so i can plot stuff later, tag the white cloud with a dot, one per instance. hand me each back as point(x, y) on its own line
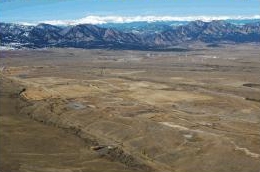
point(129, 19)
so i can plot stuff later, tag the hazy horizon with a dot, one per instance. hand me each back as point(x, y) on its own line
point(119, 11)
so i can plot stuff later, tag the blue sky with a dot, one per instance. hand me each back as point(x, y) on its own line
point(40, 10)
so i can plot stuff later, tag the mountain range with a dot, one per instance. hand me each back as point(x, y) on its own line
point(148, 36)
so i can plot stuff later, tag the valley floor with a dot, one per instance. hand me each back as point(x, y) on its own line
point(96, 110)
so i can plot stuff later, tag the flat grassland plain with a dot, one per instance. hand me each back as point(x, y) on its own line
point(77, 110)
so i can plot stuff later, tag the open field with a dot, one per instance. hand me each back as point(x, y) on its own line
point(105, 110)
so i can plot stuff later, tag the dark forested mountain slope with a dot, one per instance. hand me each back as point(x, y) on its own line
point(91, 36)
